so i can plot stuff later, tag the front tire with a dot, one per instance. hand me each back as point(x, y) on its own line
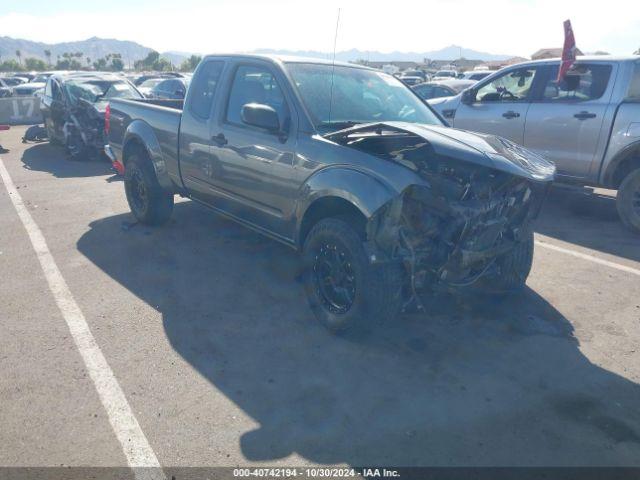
point(148, 201)
point(512, 270)
point(628, 201)
point(345, 291)
point(514, 267)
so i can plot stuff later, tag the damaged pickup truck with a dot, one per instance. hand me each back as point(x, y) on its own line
point(345, 164)
point(73, 106)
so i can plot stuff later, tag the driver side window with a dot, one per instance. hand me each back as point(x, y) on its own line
point(513, 86)
point(255, 84)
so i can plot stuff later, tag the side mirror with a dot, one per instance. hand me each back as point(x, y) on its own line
point(262, 116)
point(468, 96)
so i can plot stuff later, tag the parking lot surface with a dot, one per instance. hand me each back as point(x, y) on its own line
point(207, 332)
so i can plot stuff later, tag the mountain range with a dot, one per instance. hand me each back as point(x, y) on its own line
point(94, 48)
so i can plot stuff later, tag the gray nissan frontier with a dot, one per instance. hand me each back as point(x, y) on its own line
point(345, 164)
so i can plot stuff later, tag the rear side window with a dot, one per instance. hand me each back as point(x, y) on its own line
point(203, 89)
point(634, 86)
point(583, 82)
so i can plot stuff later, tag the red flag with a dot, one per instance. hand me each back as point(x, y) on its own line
point(568, 51)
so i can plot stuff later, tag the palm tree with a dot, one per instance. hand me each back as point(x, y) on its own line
point(19, 55)
point(47, 53)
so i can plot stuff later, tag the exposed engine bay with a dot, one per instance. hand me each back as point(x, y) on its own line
point(449, 231)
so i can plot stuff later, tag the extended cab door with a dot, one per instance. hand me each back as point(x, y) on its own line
point(196, 164)
point(564, 123)
point(499, 105)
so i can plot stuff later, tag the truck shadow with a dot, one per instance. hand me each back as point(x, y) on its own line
point(45, 157)
point(587, 219)
point(482, 383)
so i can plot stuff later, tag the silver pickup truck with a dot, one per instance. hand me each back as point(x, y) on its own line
point(345, 164)
point(588, 125)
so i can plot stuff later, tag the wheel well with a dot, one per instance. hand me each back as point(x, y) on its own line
point(628, 164)
point(130, 147)
point(331, 207)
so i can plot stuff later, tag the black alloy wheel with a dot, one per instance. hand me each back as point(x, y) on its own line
point(334, 278)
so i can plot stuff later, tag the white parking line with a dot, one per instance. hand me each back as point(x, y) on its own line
point(590, 258)
point(140, 455)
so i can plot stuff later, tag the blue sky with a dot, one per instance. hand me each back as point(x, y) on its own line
point(517, 27)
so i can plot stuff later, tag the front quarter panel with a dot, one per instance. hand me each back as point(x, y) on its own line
point(331, 170)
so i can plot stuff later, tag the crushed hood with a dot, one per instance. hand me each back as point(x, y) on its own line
point(485, 150)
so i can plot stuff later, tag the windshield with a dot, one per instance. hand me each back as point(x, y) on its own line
point(445, 73)
point(95, 90)
point(359, 96)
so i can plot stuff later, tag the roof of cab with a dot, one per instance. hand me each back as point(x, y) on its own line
point(288, 59)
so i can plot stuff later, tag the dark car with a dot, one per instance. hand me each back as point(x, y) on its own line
point(443, 88)
point(171, 88)
point(345, 164)
point(73, 107)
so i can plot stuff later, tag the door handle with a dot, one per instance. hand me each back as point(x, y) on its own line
point(510, 114)
point(220, 139)
point(584, 115)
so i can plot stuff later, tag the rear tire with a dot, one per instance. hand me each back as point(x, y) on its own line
point(628, 201)
point(355, 295)
point(148, 201)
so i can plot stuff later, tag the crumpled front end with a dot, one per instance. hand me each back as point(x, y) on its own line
point(451, 233)
point(87, 121)
point(450, 229)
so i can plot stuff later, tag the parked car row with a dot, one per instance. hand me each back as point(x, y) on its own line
point(170, 84)
point(23, 84)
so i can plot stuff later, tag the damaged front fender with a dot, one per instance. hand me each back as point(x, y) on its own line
point(475, 201)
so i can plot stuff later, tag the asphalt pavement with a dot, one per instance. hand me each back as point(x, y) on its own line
point(205, 330)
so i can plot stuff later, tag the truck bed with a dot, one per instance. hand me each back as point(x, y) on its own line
point(155, 119)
